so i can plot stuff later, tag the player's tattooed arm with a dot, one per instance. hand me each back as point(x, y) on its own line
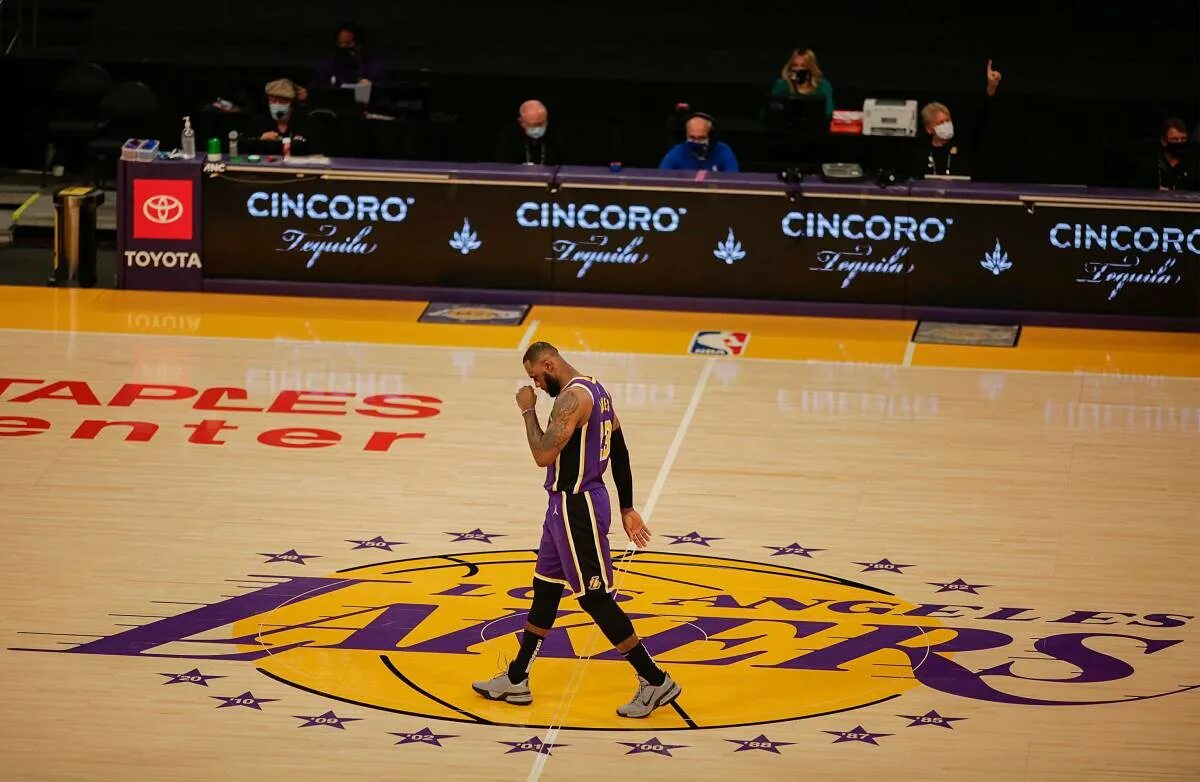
point(568, 410)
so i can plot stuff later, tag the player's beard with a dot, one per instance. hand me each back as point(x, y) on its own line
point(553, 387)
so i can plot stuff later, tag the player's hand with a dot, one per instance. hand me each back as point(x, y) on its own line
point(526, 397)
point(270, 135)
point(993, 79)
point(635, 528)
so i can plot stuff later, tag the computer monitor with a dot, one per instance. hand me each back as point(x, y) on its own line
point(802, 115)
point(339, 101)
point(407, 98)
point(264, 147)
point(797, 131)
point(258, 146)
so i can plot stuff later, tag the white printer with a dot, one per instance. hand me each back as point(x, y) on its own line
point(889, 117)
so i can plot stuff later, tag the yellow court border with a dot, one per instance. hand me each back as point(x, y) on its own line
point(578, 329)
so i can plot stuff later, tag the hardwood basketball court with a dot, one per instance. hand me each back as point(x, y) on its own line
point(256, 538)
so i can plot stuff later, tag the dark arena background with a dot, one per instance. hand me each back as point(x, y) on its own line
point(897, 307)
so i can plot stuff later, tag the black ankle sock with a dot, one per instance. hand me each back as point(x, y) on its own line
point(518, 669)
point(640, 659)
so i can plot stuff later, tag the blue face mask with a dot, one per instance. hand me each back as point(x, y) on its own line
point(698, 148)
point(280, 110)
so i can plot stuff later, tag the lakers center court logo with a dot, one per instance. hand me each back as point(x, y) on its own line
point(749, 642)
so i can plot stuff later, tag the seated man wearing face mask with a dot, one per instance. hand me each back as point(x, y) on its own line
point(281, 121)
point(532, 141)
point(701, 152)
point(943, 152)
point(1171, 162)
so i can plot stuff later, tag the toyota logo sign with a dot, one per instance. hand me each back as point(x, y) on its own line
point(162, 209)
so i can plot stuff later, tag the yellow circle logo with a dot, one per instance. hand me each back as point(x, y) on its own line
point(474, 313)
point(749, 642)
point(469, 313)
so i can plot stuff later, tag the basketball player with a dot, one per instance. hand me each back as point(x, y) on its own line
point(582, 435)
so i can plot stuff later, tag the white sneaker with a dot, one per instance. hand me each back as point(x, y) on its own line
point(501, 688)
point(648, 698)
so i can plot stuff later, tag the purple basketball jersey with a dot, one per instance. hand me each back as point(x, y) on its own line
point(581, 464)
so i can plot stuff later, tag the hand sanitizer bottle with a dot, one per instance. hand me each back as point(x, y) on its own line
point(187, 142)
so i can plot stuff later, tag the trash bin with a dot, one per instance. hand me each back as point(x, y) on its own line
point(75, 235)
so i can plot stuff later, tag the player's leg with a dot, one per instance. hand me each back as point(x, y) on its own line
point(588, 521)
point(512, 684)
point(546, 596)
point(655, 686)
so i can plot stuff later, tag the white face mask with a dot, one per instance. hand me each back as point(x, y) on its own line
point(280, 110)
point(944, 131)
point(536, 132)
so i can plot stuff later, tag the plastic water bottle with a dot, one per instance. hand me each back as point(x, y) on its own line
point(187, 142)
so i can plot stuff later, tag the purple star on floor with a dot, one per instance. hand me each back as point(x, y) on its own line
point(857, 733)
point(288, 556)
point(532, 744)
point(691, 537)
point(958, 585)
point(760, 742)
point(328, 720)
point(475, 534)
point(882, 565)
point(793, 548)
point(930, 718)
point(653, 746)
point(246, 699)
point(376, 542)
point(423, 736)
point(191, 677)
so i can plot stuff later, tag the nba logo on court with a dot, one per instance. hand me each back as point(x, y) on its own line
point(719, 343)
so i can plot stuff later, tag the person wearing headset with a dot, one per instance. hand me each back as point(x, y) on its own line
point(941, 153)
point(701, 151)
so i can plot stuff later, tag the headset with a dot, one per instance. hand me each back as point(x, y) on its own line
point(712, 129)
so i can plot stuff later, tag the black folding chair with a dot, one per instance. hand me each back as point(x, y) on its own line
point(76, 118)
point(129, 110)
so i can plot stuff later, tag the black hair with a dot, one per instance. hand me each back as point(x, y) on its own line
point(536, 351)
point(1173, 123)
point(352, 28)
